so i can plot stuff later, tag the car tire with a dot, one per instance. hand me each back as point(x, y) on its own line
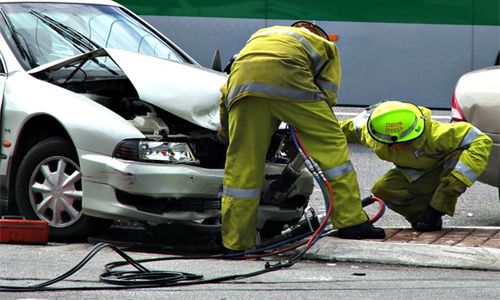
point(49, 187)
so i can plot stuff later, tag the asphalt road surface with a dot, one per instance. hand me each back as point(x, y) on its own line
point(28, 265)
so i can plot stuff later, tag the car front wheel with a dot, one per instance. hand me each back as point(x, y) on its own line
point(49, 187)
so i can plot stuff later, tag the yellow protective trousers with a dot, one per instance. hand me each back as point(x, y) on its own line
point(252, 121)
point(410, 199)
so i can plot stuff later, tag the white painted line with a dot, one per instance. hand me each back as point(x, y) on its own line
point(442, 117)
point(345, 113)
point(339, 113)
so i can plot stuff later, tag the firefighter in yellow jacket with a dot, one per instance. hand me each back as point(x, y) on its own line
point(285, 74)
point(434, 162)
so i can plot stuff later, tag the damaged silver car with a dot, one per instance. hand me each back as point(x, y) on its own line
point(103, 118)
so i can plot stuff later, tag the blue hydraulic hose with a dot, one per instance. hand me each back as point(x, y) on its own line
point(313, 172)
point(314, 168)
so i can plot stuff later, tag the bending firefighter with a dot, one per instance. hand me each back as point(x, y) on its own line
point(285, 74)
point(434, 162)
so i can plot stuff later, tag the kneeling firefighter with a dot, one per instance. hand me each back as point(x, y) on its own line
point(285, 74)
point(434, 162)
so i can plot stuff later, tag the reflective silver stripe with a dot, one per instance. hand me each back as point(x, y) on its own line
point(316, 58)
point(241, 193)
point(466, 171)
point(273, 90)
point(326, 85)
point(471, 136)
point(338, 171)
point(411, 173)
point(385, 137)
point(360, 120)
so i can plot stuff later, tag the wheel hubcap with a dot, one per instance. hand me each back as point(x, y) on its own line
point(56, 191)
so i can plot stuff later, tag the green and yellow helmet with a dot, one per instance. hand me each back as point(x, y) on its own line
point(312, 27)
point(396, 122)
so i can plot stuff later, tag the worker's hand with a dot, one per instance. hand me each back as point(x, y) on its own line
point(452, 185)
point(222, 136)
point(223, 132)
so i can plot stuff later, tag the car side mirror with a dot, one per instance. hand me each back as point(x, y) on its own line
point(216, 64)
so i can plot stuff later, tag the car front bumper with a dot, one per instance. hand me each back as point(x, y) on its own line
point(103, 176)
point(149, 187)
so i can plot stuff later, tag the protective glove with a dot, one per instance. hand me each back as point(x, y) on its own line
point(452, 185)
point(222, 136)
point(223, 131)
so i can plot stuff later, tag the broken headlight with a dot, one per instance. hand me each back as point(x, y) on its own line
point(155, 151)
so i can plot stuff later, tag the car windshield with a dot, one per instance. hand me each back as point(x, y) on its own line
point(40, 33)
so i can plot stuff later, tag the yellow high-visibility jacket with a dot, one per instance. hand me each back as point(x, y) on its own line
point(270, 54)
point(431, 149)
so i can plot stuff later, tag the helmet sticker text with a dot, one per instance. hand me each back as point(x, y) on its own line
point(394, 127)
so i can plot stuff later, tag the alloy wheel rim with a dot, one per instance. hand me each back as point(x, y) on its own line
point(55, 191)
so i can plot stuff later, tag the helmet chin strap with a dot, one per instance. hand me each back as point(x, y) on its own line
point(400, 146)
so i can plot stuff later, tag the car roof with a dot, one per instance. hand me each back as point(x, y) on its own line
point(107, 2)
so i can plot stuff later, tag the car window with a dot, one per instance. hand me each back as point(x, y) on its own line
point(40, 33)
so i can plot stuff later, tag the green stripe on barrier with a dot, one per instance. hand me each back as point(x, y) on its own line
point(457, 12)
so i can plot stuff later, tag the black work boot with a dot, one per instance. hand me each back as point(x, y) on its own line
point(430, 221)
point(362, 231)
point(227, 251)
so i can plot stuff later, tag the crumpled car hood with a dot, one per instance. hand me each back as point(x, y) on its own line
point(187, 91)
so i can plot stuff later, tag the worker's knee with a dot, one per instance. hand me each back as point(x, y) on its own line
point(383, 188)
point(390, 183)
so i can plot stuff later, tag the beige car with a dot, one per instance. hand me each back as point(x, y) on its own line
point(477, 100)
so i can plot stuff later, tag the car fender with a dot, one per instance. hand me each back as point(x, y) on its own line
point(91, 126)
